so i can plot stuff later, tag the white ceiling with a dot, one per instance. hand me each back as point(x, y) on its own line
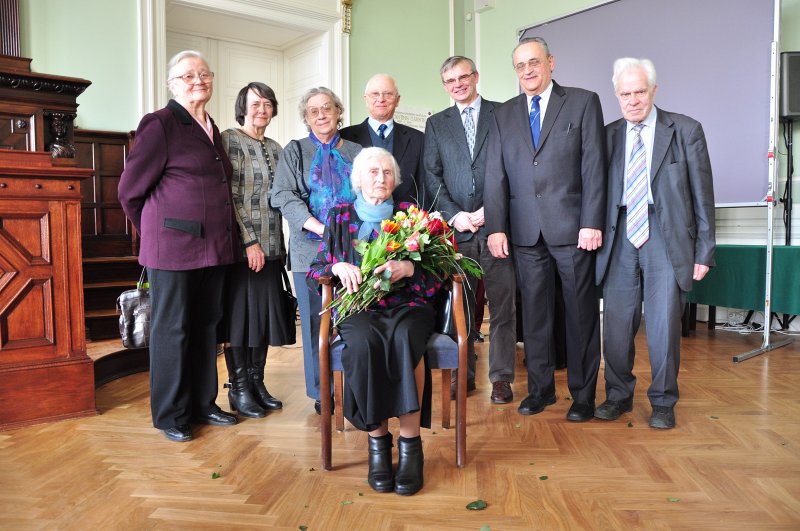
point(258, 30)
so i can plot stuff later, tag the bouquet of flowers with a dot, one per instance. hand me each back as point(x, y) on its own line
point(414, 234)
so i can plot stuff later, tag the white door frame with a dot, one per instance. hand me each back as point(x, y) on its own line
point(315, 16)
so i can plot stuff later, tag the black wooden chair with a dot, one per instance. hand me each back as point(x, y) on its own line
point(443, 352)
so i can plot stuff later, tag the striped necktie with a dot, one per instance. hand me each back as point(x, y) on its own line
point(469, 128)
point(536, 127)
point(638, 228)
point(382, 131)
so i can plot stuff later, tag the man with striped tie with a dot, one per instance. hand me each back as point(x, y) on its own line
point(660, 237)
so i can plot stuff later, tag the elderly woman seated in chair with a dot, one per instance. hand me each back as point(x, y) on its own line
point(384, 372)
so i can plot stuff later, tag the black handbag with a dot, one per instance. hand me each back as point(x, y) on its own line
point(133, 306)
point(445, 318)
point(283, 325)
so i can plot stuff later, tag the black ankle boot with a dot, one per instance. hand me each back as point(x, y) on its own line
point(258, 359)
point(408, 479)
point(239, 395)
point(380, 463)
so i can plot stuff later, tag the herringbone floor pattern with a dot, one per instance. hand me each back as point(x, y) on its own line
point(733, 462)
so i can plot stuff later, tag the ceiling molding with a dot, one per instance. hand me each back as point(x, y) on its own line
point(302, 14)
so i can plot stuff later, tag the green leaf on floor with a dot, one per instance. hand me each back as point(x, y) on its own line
point(518, 425)
point(303, 528)
point(477, 505)
point(312, 469)
point(486, 528)
point(714, 417)
point(360, 493)
point(673, 499)
point(214, 475)
point(501, 409)
point(630, 424)
point(346, 502)
point(543, 478)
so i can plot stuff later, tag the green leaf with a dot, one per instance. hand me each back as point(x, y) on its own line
point(312, 469)
point(567, 398)
point(518, 425)
point(360, 493)
point(630, 424)
point(433, 433)
point(346, 502)
point(714, 417)
point(486, 528)
point(477, 505)
point(543, 478)
point(673, 499)
point(303, 528)
point(501, 409)
point(214, 475)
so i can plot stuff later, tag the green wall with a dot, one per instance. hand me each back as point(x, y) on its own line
point(406, 39)
point(91, 39)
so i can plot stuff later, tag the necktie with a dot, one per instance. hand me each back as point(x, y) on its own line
point(637, 226)
point(535, 125)
point(382, 131)
point(469, 128)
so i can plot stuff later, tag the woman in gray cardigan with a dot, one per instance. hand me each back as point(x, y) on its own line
point(313, 175)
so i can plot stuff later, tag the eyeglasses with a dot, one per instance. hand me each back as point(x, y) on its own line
point(531, 64)
point(460, 79)
point(374, 96)
point(189, 77)
point(313, 112)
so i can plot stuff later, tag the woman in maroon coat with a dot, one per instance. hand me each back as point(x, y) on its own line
point(176, 190)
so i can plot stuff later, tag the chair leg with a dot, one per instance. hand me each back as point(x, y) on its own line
point(446, 378)
point(338, 391)
point(461, 417)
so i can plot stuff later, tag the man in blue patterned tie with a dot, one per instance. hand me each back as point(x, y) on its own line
point(660, 237)
point(381, 130)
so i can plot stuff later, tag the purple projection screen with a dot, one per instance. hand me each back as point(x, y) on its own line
point(712, 59)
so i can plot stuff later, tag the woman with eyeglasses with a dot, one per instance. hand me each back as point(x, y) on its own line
point(253, 317)
point(313, 176)
point(176, 190)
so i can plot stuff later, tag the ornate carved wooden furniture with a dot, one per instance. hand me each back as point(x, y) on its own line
point(45, 373)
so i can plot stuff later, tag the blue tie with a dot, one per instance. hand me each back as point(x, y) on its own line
point(535, 126)
point(382, 131)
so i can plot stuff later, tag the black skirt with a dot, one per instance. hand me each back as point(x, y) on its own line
point(252, 304)
point(382, 349)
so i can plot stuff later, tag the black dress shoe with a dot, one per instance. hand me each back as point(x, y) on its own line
point(533, 404)
point(410, 463)
point(180, 433)
point(215, 417)
point(581, 411)
point(663, 418)
point(318, 406)
point(470, 388)
point(612, 409)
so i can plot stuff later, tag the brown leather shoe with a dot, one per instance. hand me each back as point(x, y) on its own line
point(501, 392)
point(470, 388)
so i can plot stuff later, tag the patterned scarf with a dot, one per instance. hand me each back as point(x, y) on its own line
point(330, 179)
point(371, 215)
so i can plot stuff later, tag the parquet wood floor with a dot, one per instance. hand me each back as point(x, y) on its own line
point(733, 462)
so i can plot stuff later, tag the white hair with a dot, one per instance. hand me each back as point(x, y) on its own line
point(626, 64)
point(361, 165)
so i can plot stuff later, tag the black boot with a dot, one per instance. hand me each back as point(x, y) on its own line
point(408, 479)
point(380, 476)
point(258, 359)
point(239, 395)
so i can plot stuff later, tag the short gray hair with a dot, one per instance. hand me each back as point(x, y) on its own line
point(177, 58)
point(626, 64)
point(526, 40)
point(361, 165)
point(450, 62)
point(310, 93)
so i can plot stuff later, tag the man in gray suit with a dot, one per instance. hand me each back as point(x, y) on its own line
point(381, 130)
point(455, 163)
point(545, 193)
point(660, 227)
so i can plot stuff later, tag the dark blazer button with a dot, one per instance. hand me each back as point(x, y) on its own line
point(613, 228)
point(539, 195)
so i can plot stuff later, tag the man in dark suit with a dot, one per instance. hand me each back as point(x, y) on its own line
point(380, 130)
point(545, 192)
point(455, 163)
point(660, 227)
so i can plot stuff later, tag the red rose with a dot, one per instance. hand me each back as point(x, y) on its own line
point(435, 226)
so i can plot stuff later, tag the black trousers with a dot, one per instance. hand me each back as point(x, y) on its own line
point(536, 269)
point(186, 309)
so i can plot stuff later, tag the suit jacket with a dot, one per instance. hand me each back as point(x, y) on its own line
point(407, 148)
point(176, 190)
point(555, 190)
point(454, 180)
point(683, 193)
